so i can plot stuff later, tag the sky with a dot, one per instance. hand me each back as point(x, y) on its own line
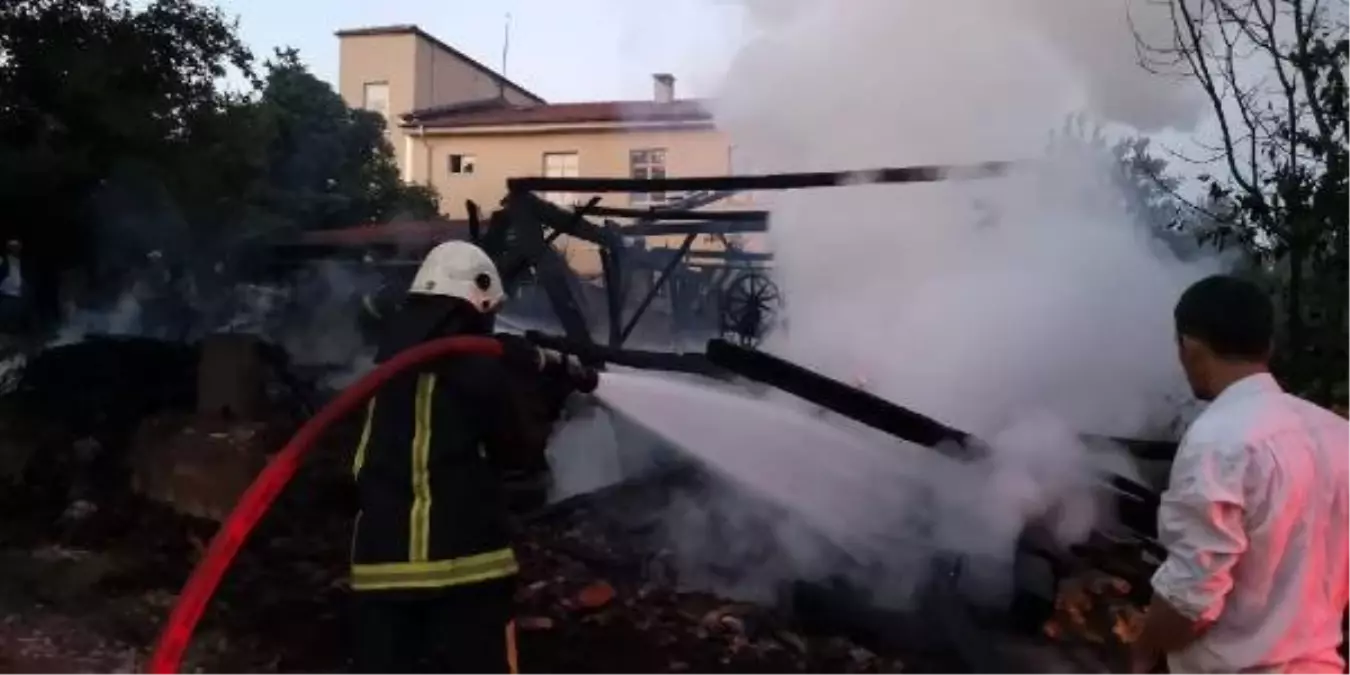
point(562, 50)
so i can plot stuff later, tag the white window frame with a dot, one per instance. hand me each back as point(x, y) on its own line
point(561, 164)
point(647, 163)
point(468, 163)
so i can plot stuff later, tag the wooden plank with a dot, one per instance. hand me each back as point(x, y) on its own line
point(784, 181)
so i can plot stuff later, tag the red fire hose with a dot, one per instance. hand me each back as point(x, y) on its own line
point(259, 497)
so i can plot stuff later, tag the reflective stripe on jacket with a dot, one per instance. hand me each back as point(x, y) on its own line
point(433, 512)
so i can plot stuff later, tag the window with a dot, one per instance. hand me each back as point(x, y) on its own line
point(375, 97)
point(562, 165)
point(648, 164)
point(460, 164)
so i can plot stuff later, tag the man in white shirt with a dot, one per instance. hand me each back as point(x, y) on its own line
point(1254, 517)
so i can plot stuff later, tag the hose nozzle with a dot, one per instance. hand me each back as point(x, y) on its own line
point(582, 378)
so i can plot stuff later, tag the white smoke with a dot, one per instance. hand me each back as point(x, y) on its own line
point(1025, 309)
point(312, 313)
point(965, 300)
point(982, 58)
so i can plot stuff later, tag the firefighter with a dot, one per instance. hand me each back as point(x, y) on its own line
point(432, 563)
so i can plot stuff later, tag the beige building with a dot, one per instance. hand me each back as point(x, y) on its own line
point(464, 129)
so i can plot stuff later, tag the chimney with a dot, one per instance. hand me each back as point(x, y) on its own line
point(665, 87)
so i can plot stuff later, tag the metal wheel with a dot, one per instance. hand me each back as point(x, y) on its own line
point(750, 306)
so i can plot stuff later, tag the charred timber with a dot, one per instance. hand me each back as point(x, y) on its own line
point(598, 355)
point(1137, 504)
point(573, 223)
point(681, 214)
point(784, 181)
point(709, 226)
point(851, 402)
point(701, 258)
point(555, 276)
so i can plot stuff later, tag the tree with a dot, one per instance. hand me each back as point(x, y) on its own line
point(119, 141)
point(1274, 74)
point(328, 165)
point(1141, 179)
point(92, 91)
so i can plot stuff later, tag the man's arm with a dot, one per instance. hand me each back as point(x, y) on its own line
point(1200, 522)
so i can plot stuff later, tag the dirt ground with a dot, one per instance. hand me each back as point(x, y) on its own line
point(91, 597)
point(90, 594)
point(94, 604)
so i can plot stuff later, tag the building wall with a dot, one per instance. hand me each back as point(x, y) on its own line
point(700, 151)
point(445, 78)
point(420, 75)
point(380, 58)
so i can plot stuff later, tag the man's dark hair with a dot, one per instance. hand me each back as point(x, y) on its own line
point(1234, 317)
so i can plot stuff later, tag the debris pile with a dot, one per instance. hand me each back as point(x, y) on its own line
point(200, 466)
point(600, 590)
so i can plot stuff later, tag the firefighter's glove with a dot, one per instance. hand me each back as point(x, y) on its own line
point(520, 354)
point(570, 369)
point(524, 356)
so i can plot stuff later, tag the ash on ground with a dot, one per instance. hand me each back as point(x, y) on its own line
point(88, 589)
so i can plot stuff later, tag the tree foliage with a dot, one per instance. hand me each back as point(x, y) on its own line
point(121, 139)
point(327, 165)
point(1146, 187)
point(1274, 74)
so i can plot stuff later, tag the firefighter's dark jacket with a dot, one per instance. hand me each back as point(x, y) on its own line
point(428, 463)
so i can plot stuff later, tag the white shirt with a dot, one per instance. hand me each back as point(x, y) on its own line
point(1255, 524)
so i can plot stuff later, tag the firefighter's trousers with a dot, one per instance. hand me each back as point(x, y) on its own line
point(465, 629)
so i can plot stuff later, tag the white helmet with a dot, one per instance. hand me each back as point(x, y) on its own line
point(458, 269)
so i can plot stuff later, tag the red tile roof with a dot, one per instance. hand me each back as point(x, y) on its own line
point(413, 29)
point(479, 114)
point(404, 233)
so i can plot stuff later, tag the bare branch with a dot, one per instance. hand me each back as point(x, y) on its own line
point(1172, 192)
point(1216, 154)
point(1189, 34)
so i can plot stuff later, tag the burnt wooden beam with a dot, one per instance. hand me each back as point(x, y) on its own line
point(699, 200)
point(656, 287)
point(475, 227)
point(594, 355)
point(700, 227)
point(1157, 451)
point(743, 256)
point(610, 268)
point(682, 214)
point(659, 256)
point(557, 278)
point(572, 223)
point(515, 261)
point(494, 241)
point(784, 181)
point(1137, 504)
point(554, 274)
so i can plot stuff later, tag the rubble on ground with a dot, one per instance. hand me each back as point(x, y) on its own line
point(90, 593)
point(200, 466)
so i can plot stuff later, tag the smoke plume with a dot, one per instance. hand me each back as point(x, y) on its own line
point(1002, 63)
point(964, 299)
point(1025, 309)
point(310, 311)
